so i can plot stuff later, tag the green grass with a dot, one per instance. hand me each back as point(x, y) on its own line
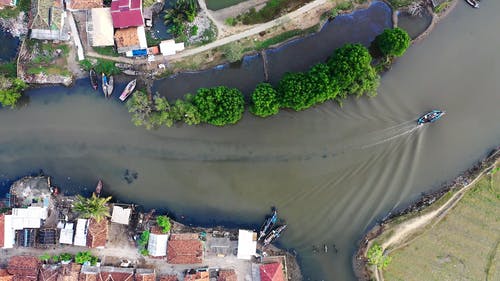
point(107, 51)
point(151, 40)
point(272, 10)
point(345, 6)
point(9, 69)
point(106, 66)
point(441, 7)
point(400, 3)
point(283, 37)
point(11, 12)
point(464, 243)
point(49, 70)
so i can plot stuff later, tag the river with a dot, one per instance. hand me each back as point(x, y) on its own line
point(331, 172)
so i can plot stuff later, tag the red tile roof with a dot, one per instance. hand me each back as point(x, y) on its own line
point(111, 275)
point(271, 272)
point(126, 13)
point(169, 278)
point(145, 276)
point(97, 233)
point(85, 4)
point(24, 267)
point(227, 275)
point(4, 3)
point(184, 249)
point(87, 276)
point(69, 272)
point(48, 273)
point(2, 229)
point(198, 276)
point(4, 275)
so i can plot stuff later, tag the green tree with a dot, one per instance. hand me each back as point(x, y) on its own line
point(92, 208)
point(219, 105)
point(376, 257)
point(323, 86)
point(184, 110)
point(164, 223)
point(141, 108)
point(233, 52)
point(393, 42)
point(294, 91)
point(45, 257)
point(66, 257)
point(351, 70)
point(10, 90)
point(264, 100)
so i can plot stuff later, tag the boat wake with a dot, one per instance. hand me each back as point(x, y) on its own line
point(394, 133)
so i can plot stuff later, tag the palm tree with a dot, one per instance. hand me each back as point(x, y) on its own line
point(92, 208)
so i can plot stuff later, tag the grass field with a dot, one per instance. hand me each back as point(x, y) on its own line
point(464, 245)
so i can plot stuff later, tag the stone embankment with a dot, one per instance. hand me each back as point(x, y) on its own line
point(16, 26)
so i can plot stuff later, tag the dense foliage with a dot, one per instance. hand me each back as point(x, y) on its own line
point(164, 223)
point(264, 101)
point(393, 42)
point(219, 105)
point(351, 68)
point(376, 257)
point(10, 90)
point(85, 257)
point(182, 11)
point(93, 207)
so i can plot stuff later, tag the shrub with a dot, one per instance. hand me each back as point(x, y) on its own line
point(376, 257)
point(66, 257)
point(264, 100)
point(345, 6)
point(233, 52)
point(164, 223)
point(10, 90)
point(231, 21)
point(106, 66)
point(143, 240)
point(86, 64)
point(84, 257)
point(45, 257)
point(219, 105)
point(393, 42)
point(194, 30)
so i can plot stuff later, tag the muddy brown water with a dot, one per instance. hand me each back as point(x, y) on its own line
point(331, 172)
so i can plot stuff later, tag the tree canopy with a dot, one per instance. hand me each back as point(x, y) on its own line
point(10, 90)
point(219, 105)
point(294, 90)
point(264, 101)
point(393, 42)
point(92, 208)
point(351, 69)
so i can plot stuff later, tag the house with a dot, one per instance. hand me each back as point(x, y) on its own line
point(7, 3)
point(66, 234)
point(126, 13)
point(111, 273)
point(24, 267)
point(157, 244)
point(169, 278)
point(69, 272)
point(271, 272)
point(47, 237)
point(121, 215)
point(48, 21)
point(227, 275)
point(130, 39)
point(89, 273)
point(81, 233)
point(247, 244)
point(5, 276)
point(169, 47)
point(197, 276)
point(102, 35)
point(48, 273)
point(184, 248)
point(74, 5)
point(145, 274)
point(97, 233)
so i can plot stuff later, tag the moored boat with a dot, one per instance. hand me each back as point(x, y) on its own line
point(93, 79)
point(110, 86)
point(128, 90)
point(274, 234)
point(268, 224)
point(98, 188)
point(104, 84)
point(430, 117)
point(473, 3)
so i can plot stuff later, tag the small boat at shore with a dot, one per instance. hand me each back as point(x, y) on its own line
point(93, 79)
point(110, 86)
point(128, 90)
point(431, 116)
point(473, 3)
point(268, 224)
point(104, 84)
point(98, 188)
point(274, 234)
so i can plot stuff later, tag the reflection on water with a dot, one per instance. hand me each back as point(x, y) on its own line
point(8, 48)
point(414, 25)
point(332, 172)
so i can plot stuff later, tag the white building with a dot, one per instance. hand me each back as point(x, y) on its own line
point(247, 244)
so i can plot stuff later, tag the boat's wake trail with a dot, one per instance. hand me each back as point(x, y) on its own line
point(392, 133)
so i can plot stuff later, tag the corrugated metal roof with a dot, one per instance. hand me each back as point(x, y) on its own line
point(121, 215)
point(247, 244)
point(157, 245)
point(66, 235)
point(102, 33)
point(81, 233)
point(126, 13)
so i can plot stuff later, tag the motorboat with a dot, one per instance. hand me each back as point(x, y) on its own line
point(473, 3)
point(128, 90)
point(104, 84)
point(268, 224)
point(431, 116)
point(274, 234)
point(93, 79)
point(110, 86)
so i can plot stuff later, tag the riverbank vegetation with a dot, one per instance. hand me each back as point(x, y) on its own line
point(181, 13)
point(348, 72)
point(12, 12)
point(10, 90)
point(393, 42)
point(100, 66)
point(441, 252)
